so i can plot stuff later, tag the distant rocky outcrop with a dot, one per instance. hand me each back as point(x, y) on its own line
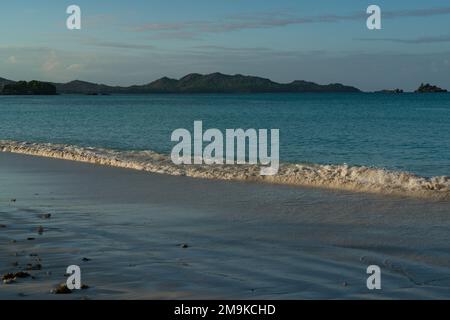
point(392, 91)
point(428, 88)
point(29, 88)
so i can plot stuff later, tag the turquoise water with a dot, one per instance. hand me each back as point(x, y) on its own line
point(408, 132)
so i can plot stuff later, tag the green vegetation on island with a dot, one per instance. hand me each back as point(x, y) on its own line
point(428, 88)
point(4, 82)
point(192, 83)
point(29, 88)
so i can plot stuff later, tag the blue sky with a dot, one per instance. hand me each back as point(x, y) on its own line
point(137, 41)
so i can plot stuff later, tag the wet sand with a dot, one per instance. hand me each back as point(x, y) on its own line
point(244, 240)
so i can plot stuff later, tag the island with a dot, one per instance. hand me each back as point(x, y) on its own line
point(191, 83)
point(28, 88)
point(428, 88)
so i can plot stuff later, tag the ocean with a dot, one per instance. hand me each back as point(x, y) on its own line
point(399, 133)
point(244, 240)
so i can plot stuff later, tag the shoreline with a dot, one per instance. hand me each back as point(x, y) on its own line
point(243, 240)
point(333, 177)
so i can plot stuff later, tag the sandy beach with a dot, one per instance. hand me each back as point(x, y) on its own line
point(140, 235)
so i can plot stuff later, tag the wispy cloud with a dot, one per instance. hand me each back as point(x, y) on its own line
point(117, 45)
point(99, 20)
point(261, 21)
point(174, 35)
point(420, 40)
point(232, 49)
point(417, 12)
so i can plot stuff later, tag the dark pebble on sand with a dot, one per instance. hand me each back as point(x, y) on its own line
point(2, 226)
point(31, 239)
point(8, 276)
point(22, 274)
point(86, 259)
point(12, 277)
point(45, 216)
point(62, 289)
point(13, 200)
point(184, 246)
point(36, 266)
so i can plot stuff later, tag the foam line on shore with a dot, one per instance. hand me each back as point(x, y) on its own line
point(340, 177)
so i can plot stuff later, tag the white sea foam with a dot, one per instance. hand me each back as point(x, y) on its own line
point(342, 177)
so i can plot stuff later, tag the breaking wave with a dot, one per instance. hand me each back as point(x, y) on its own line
point(341, 177)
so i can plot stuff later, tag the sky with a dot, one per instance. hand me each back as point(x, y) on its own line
point(138, 41)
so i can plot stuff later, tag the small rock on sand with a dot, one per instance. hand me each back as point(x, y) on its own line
point(9, 281)
point(31, 238)
point(40, 230)
point(8, 276)
point(45, 216)
point(22, 274)
point(86, 259)
point(184, 246)
point(2, 226)
point(62, 289)
point(37, 266)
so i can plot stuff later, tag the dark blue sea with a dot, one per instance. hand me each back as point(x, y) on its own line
point(407, 132)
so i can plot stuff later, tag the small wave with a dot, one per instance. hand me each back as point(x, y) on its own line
point(341, 177)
